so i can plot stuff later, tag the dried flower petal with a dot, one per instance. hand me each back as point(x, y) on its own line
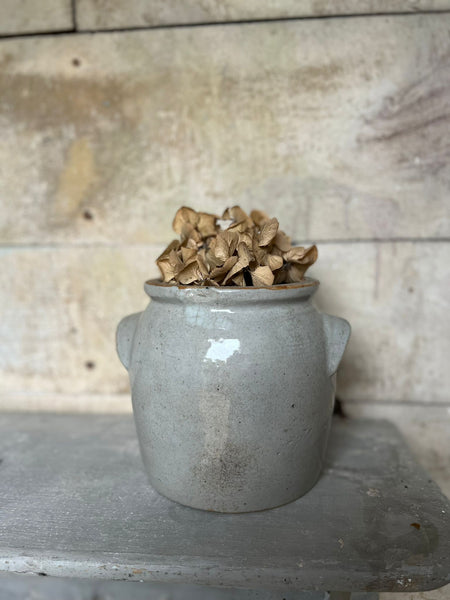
point(222, 248)
point(187, 253)
point(174, 260)
point(239, 279)
point(188, 232)
point(232, 238)
point(207, 224)
point(244, 253)
point(295, 272)
point(168, 262)
point(247, 239)
point(190, 243)
point(241, 264)
point(274, 262)
point(300, 255)
point(312, 254)
point(212, 261)
point(202, 253)
point(220, 272)
point(282, 241)
point(202, 266)
point(184, 215)
point(294, 254)
point(299, 260)
point(259, 253)
point(210, 282)
point(168, 272)
point(262, 276)
point(174, 245)
point(189, 274)
point(236, 213)
point(280, 276)
point(268, 232)
point(259, 217)
point(275, 251)
point(239, 226)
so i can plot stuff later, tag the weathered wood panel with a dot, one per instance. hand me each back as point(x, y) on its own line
point(59, 311)
point(337, 126)
point(426, 429)
point(394, 295)
point(24, 587)
point(67, 402)
point(110, 14)
point(442, 593)
point(60, 308)
point(29, 16)
point(351, 531)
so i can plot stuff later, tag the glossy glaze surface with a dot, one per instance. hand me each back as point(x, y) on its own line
point(232, 392)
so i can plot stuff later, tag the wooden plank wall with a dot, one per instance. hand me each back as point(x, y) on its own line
point(339, 126)
point(113, 14)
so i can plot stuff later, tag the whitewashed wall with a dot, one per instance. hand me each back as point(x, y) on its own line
point(338, 126)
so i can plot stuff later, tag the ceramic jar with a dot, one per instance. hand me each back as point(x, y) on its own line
point(232, 391)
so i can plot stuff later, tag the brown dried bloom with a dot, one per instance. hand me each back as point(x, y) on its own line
point(235, 249)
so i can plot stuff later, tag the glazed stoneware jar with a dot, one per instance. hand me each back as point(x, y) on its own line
point(232, 391)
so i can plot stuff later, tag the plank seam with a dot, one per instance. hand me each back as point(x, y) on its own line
point(81, 31)
point(73, 8)
point(384, 403)
point(399, 240)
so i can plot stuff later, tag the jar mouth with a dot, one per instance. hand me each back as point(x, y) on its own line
point(156, 288)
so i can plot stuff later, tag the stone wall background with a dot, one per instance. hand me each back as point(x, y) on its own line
point(332, 116)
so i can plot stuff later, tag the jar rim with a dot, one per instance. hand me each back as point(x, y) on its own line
point(156, 288)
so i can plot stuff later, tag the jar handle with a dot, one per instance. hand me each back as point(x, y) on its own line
point(124, 337)
point(337, 333)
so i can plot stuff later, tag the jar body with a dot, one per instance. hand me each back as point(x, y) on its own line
point(232, 398)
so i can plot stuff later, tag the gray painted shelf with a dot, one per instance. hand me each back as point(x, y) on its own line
point(75, 502)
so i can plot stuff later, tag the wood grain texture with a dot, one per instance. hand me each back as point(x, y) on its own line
point(394, 297)
point(336, 126)
point(442, 593)
point(112, 14)
point(76, 502)
point(59, 317)
point(425, 428)
point(61, 306)
point(23, 587)
point(29, 16)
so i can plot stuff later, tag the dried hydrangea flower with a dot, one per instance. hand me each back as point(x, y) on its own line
point(262, 276)
point(268, 232)
point(235, 249)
